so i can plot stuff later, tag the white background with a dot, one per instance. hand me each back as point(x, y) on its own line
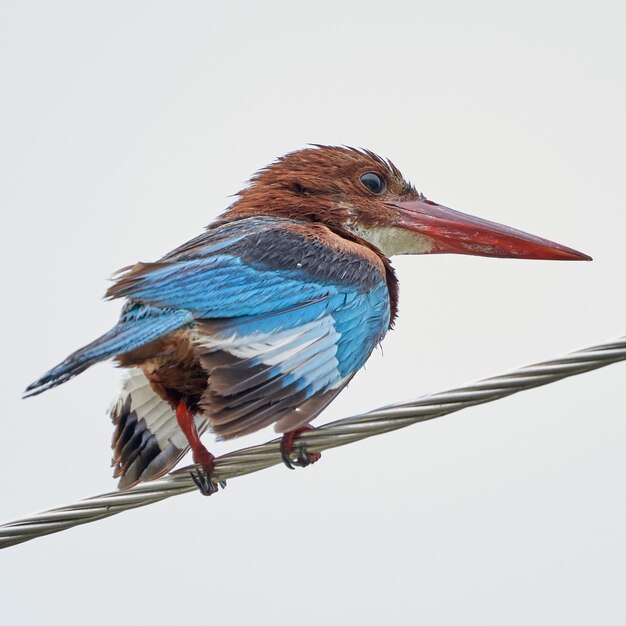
point(125, 126)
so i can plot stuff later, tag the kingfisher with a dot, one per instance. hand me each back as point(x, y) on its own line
point(268, 314)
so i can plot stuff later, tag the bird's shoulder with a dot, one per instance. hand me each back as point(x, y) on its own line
point(281, 244)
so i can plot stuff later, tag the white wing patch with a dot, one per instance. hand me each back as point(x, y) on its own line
point(273, 348)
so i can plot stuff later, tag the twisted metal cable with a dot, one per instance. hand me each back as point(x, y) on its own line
point(338, 433)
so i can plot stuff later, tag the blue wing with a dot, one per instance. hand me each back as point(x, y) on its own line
point(283, 320)
point(280, 316)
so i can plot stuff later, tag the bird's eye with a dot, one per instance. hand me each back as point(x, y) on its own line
point(373, 182)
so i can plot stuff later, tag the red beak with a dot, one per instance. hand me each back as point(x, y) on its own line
point(456, 232)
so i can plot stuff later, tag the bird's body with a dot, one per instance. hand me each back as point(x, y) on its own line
point(269, 313)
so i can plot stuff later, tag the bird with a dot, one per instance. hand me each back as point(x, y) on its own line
point(269, 313)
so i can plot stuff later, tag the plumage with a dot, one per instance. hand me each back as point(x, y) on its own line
point(146, 439)
point(268, 314)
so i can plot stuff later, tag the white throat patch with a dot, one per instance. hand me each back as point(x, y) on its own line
point(391, 240)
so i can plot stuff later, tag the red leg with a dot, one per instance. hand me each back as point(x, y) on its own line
point(287, 448)
point(201, 456)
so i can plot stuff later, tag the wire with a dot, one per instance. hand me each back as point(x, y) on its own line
point(338, 433)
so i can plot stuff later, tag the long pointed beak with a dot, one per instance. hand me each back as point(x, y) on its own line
point(459, 233)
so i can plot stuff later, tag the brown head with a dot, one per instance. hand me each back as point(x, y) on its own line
point(357, 192)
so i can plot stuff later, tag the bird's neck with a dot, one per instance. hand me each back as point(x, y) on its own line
point(390, 273)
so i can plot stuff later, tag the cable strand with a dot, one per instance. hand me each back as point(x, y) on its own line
point(339, 433)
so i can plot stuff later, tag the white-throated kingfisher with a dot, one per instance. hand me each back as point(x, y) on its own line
point(266, 316)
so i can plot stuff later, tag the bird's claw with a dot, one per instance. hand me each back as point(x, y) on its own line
point(303, 457)
point(204, 483)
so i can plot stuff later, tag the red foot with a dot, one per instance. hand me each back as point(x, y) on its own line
point(201, 456)
point(304, 458)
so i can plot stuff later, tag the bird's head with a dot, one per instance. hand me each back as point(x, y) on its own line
point(358, 192)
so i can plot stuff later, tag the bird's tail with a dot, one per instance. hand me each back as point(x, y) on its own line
point(147, 441)
point(138, 326)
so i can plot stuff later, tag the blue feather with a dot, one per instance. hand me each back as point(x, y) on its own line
point(138, 326)
point(296, 318)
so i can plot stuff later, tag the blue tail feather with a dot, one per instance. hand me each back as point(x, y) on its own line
point(138, 326)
